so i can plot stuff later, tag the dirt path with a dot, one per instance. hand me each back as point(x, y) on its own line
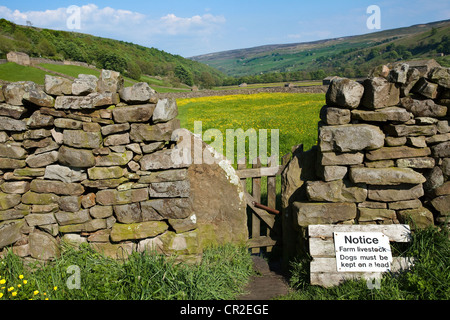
point(268, 284)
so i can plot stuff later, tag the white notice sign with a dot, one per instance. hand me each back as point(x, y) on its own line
point(362, 252)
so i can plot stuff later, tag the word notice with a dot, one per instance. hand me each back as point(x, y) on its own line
point(362, 252)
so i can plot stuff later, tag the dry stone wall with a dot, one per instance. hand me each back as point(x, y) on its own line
point(90, 161)
point(383, 152)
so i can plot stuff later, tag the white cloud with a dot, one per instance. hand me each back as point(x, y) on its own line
point(117, 21)
point(204, 24)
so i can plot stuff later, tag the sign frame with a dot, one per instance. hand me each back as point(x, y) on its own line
point(362, 252)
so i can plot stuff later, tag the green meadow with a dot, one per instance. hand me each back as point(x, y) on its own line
point(295, 115)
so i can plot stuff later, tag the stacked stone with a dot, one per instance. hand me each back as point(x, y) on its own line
point(384, 149)
point(89, 161)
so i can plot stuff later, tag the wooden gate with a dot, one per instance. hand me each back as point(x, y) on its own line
point(264, 219)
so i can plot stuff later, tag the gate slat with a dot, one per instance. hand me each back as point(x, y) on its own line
point(256, 194)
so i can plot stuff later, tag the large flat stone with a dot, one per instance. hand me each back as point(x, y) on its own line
point(78, 158)
point(395, 193)
point(39, 198)
point(173, 189)
point(335, 191)
point(370, 214)
point(115, 197)
point(82, 139)
point(102, 173)
point(6, 163)
point(152, 133)
point(42, 160)
point(40, 219)
point(423, 108)
point(309, 213)
point(64, 173)
point(66, 218)
point(176, 208)
point(402, 130)
point(90, 101)
point(11, 151)
point(332, 159)
point(417, 163)
point(351, 137)
point(114, 159)
point(162, 160)
point(385, 176)
point(11, 111)
point(134, 231)
point(8, 124)
point(56, 187)
point(137, 113)
point(8, 201)
point(381, 115)
point(397, 153)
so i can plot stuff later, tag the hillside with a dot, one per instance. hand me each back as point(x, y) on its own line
point(350, 56)
point(131, 59)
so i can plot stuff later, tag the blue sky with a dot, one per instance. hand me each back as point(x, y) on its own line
point(197, 27)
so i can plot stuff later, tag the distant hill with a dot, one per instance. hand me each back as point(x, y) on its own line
point(131, 59)
point(351, 56)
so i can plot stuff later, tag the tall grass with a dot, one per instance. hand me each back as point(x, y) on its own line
point(428, 279)
point(222, 274)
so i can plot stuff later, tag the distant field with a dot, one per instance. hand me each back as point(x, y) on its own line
point(69, 70)
point(13, 72)
point(265, 85)
point(296, 115)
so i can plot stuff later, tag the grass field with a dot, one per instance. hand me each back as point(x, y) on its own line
point(13, 72)
point(296, 115)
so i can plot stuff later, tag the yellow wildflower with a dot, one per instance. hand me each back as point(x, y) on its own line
point(25, 281)
point(3, 281)
point(14, 294)
point(21, 277)
point(36, 292)
point(55, 288)
point(1, 295)
point(10, 289)
point(19, 285)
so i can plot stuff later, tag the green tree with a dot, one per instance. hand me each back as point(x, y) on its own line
point(206, 80)
point(72, 52)
point(184, 75)
point(46, 48)
point(133, 70)
point(112, 61)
